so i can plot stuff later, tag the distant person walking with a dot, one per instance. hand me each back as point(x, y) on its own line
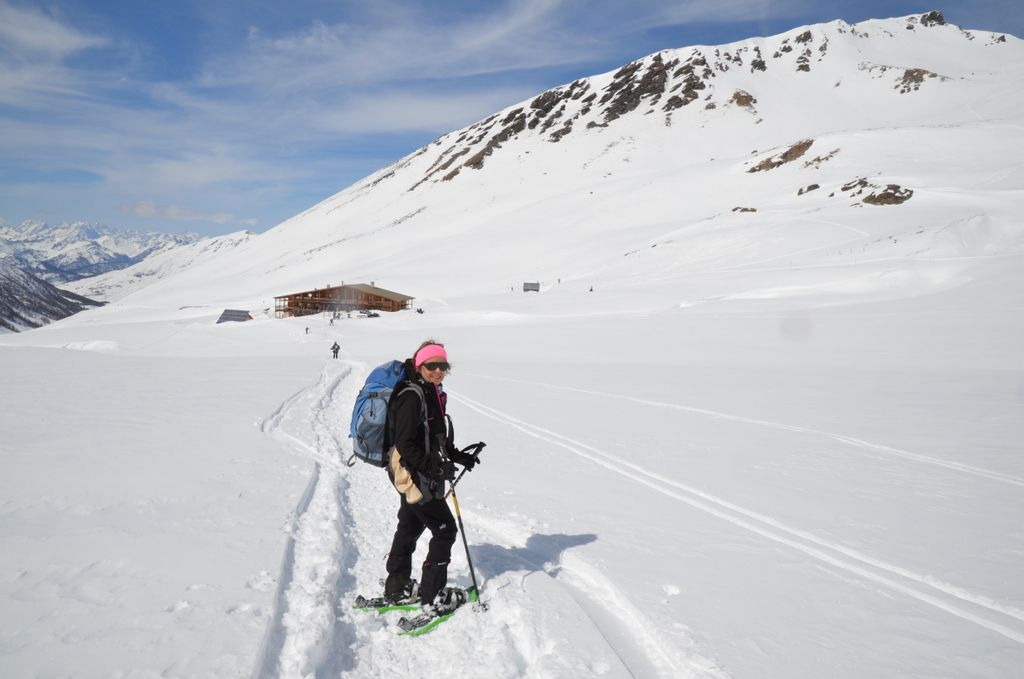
point(335, 349)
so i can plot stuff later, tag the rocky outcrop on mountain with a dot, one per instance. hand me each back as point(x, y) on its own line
point(68, 252)
point(891, 194)
point(817, 161)
point(912, 79)
point(745, 99)
point(667, 83)
point(27, 302)
point(789, 155)
point(627, 91)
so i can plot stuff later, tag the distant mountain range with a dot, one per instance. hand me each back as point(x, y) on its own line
point(35, 257)
point(28, 302)
point(114, 285)
point(68, 252)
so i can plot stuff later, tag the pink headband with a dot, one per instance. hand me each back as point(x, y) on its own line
point(428, 352)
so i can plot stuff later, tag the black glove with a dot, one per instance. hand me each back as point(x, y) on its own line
point(446, 471)
point(469, 456)
point(467, 461)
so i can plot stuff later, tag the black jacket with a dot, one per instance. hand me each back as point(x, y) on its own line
point(422, 445)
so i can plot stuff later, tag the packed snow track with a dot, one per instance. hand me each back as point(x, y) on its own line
point(550, 612)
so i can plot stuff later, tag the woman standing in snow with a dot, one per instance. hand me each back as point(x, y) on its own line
point(422, 456)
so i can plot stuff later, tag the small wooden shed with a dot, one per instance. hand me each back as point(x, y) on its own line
point(340, 298)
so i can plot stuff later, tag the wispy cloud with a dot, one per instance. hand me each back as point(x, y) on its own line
point(661, 14)
point(411, 43)
point(147, 209)
point(413, 111)
point(27, 34)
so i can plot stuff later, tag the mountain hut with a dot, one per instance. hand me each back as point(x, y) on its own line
point(340, 298)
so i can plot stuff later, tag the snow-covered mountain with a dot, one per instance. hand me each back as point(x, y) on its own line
point(762, 421)
point(27, 302)
point(67, 252)
point(114, 285)
point(860, 137)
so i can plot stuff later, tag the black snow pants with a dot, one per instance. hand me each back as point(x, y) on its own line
point(412, 521)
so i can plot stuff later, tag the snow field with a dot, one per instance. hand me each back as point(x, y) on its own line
point(720, 490)
point(347, 517)
point(140, 525)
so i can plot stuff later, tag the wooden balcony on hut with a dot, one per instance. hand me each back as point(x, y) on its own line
point(341, 298)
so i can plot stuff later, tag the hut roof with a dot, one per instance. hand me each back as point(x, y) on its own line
point(360, 287)
point(234, 315)
point(374, 290)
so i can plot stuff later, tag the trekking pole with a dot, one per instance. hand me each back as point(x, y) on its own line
point(453, 482)
point(476, 447)
point(480, 605)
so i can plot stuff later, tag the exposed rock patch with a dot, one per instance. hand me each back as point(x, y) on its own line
point(625, 92)
point(818, 160)
point(758, 63)
point(912, 79)
point(893, 194)
point(857, 186)
point(742, 98)
point(476, 161)
point(807, 189)
point(909, 81)
point(803, 62)
point(789, 155)
point(543, 104)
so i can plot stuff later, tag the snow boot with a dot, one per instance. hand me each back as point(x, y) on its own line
point(447, 600)
point(401, 590)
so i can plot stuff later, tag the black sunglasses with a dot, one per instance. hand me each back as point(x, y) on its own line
point(436, 366)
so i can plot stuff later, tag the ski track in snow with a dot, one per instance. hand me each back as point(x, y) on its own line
point(302, 626)
point(339, 535)
point(849, 440)
point(993, 615)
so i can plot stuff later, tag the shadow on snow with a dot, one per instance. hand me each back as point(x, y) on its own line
point(541, 553)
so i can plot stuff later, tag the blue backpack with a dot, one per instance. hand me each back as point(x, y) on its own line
point(370, 413)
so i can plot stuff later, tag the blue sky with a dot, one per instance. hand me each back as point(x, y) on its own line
point(218, 115)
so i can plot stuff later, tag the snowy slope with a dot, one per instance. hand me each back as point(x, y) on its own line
point(535, 209)
point(27, 302)
point(781, 443)
point(116, 284)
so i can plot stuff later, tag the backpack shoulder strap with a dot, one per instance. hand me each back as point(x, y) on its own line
point(413, 387)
